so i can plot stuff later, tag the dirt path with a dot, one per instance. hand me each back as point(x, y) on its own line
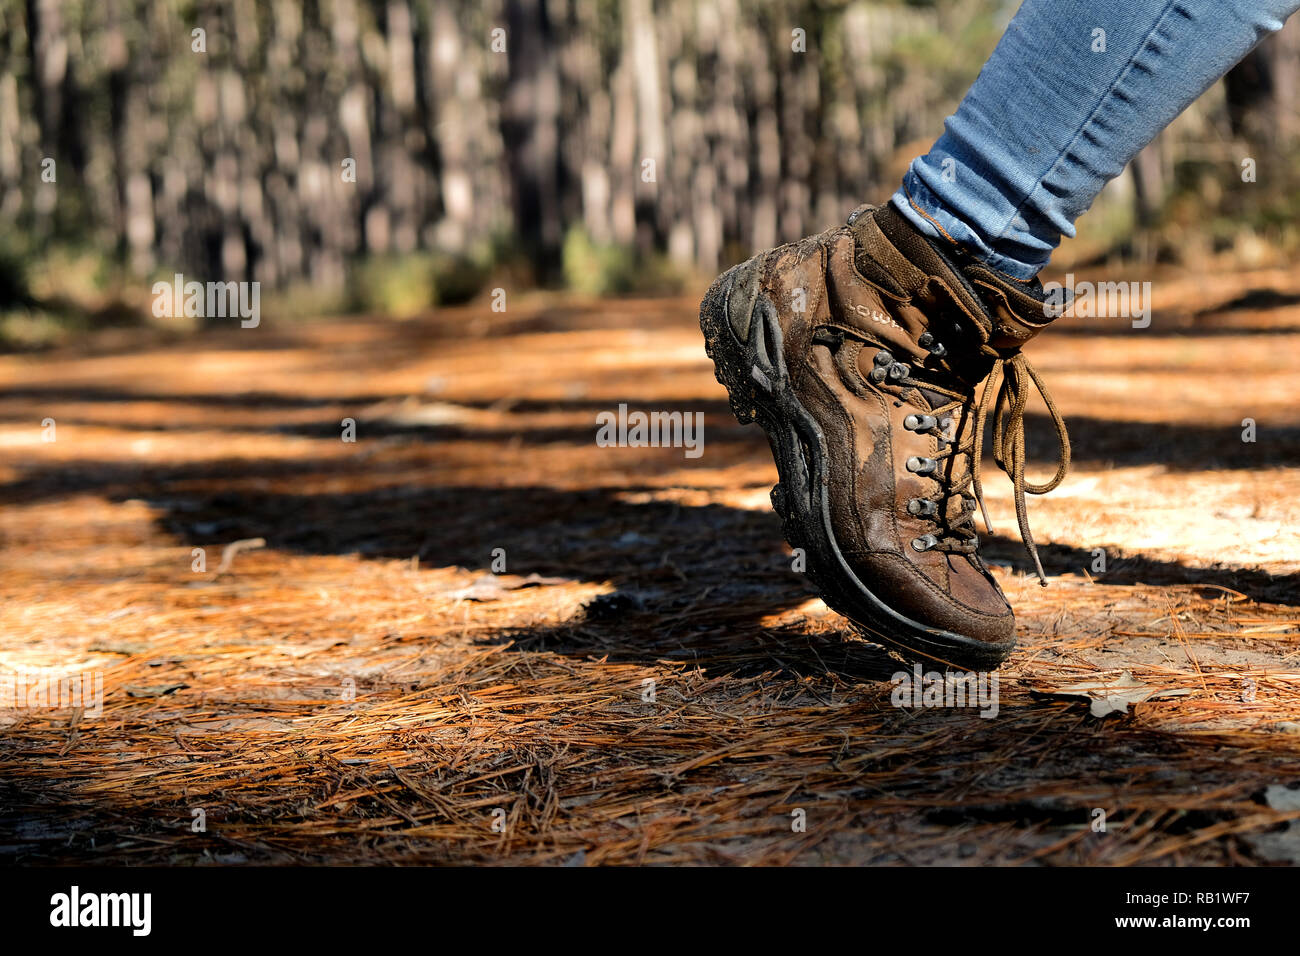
point(362, 688)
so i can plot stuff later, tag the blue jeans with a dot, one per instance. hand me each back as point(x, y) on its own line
point(1073, 91)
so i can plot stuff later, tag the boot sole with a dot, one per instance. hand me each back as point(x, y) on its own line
point(758, 386)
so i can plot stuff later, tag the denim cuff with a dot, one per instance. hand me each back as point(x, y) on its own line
point(923, 210)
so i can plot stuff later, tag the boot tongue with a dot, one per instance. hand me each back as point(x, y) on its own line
point(1020, 309)
point(928, 270)
point(933, 399)
point(1008, 311)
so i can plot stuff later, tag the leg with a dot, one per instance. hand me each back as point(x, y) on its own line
point(860, 350)
point(1061, 108)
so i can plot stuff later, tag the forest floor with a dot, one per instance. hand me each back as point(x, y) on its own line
point(647, 680)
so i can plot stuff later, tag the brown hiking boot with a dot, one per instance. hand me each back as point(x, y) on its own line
point(859, 351)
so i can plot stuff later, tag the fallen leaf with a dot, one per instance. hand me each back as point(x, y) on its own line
point(1113, 696)
point(1282, 846)
point(1282, 798)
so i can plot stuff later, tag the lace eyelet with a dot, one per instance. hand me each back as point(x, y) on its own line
point(921, 466)
point(925, 542)
point(927, 342)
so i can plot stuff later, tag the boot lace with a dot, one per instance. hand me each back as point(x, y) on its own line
point(1015, 377)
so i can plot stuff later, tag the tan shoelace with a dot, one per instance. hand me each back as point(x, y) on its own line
point(1016, 376)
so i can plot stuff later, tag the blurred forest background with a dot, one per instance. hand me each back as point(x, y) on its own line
point(391, 155)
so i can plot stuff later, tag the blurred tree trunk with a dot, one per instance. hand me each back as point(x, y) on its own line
point(48, 49)
point(455, 101)
point(1263, 90)
point(530, 130)
point(1150, 182)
